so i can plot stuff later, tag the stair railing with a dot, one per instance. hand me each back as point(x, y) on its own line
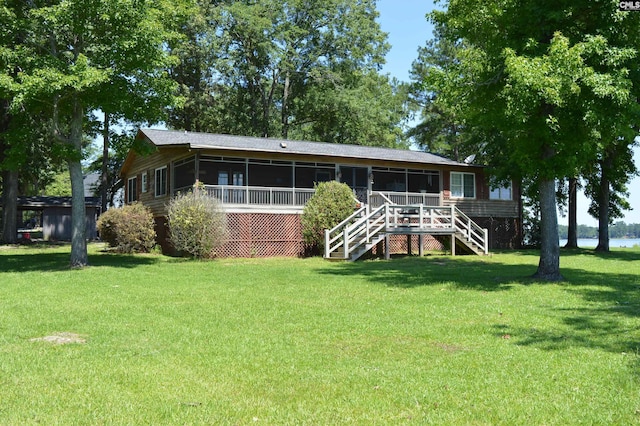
point(333, 237)
point(471, 230)
point(356, 231)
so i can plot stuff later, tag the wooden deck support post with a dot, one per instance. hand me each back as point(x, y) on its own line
point(409, 245)
point(453, 245)
point(387, 247)
point(421, 244)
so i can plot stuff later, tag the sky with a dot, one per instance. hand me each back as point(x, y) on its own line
point(407, 28)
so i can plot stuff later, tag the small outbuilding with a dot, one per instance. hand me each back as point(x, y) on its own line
point(53, 214)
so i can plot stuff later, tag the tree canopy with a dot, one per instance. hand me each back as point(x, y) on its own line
point(545, 86)
point(80, 56)
point(288, 68)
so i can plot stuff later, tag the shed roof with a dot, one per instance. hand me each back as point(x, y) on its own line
point(38, 202)
point(167, 138)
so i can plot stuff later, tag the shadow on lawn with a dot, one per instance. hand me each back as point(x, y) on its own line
point(56, 261)
point(617, 254)
point(412, 271)
point(607, 320)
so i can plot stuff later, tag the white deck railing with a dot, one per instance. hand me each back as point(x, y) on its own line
point(378, 198)
point(276, 196)
point(259, 195)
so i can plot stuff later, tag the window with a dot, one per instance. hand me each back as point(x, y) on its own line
point(238, 179)
point(132, 189)
point(223, 178)
point(145, 182)
point(463, 185)
point(161, 181)
point(502, 192)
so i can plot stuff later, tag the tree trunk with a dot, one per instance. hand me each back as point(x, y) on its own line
point(549, 265)
point(9, 206)
point(104, 177)
point(285, 107)
point(572, 236)
point(79, 257)
point(603, 208)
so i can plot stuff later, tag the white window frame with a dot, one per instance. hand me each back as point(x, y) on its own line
point(502, 192)
point(132, 189)
point(160, 181)
point(459, 190)
point(145, 182)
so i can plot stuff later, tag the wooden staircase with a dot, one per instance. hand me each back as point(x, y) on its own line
point(366, 228)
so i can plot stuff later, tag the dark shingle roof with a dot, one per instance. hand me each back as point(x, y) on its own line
point(254, 144)
point(47, 201)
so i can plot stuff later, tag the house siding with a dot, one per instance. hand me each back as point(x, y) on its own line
point(149, 164)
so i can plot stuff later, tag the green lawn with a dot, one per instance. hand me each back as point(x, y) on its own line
point(433, 340)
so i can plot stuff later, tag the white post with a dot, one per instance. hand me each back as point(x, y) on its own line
point(386, 217)
point(367, 224)
point(326, 244)
point(345, 242)
point(453, 217)
point(486, 241)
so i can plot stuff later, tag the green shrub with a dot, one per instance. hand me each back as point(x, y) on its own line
point(332, 203)
point(197, 224)
point(129, 229)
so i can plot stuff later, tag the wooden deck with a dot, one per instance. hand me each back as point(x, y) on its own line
point(368, 227)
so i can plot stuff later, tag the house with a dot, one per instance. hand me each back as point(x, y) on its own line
point(263, 185)
point(53, 214)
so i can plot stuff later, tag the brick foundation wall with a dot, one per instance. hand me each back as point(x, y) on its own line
point(271, 235)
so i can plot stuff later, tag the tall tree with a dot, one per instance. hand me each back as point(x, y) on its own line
point(83, 50)
point(606, 186)
point(12, 17)
point(441, 129)
point(288, 68)
point(547, 78)
point(572, 205)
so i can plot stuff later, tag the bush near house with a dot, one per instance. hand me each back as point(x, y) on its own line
point(197, 224)
point(332, 203)
point(129, 229)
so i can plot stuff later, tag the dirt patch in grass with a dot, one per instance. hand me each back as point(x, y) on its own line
point(64, 338)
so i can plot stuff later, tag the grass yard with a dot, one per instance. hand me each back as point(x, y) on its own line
point(433, 340)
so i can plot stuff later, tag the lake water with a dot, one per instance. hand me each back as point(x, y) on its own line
point(613, 242)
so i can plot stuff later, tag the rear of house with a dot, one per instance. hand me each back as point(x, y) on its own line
point(264, 184)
